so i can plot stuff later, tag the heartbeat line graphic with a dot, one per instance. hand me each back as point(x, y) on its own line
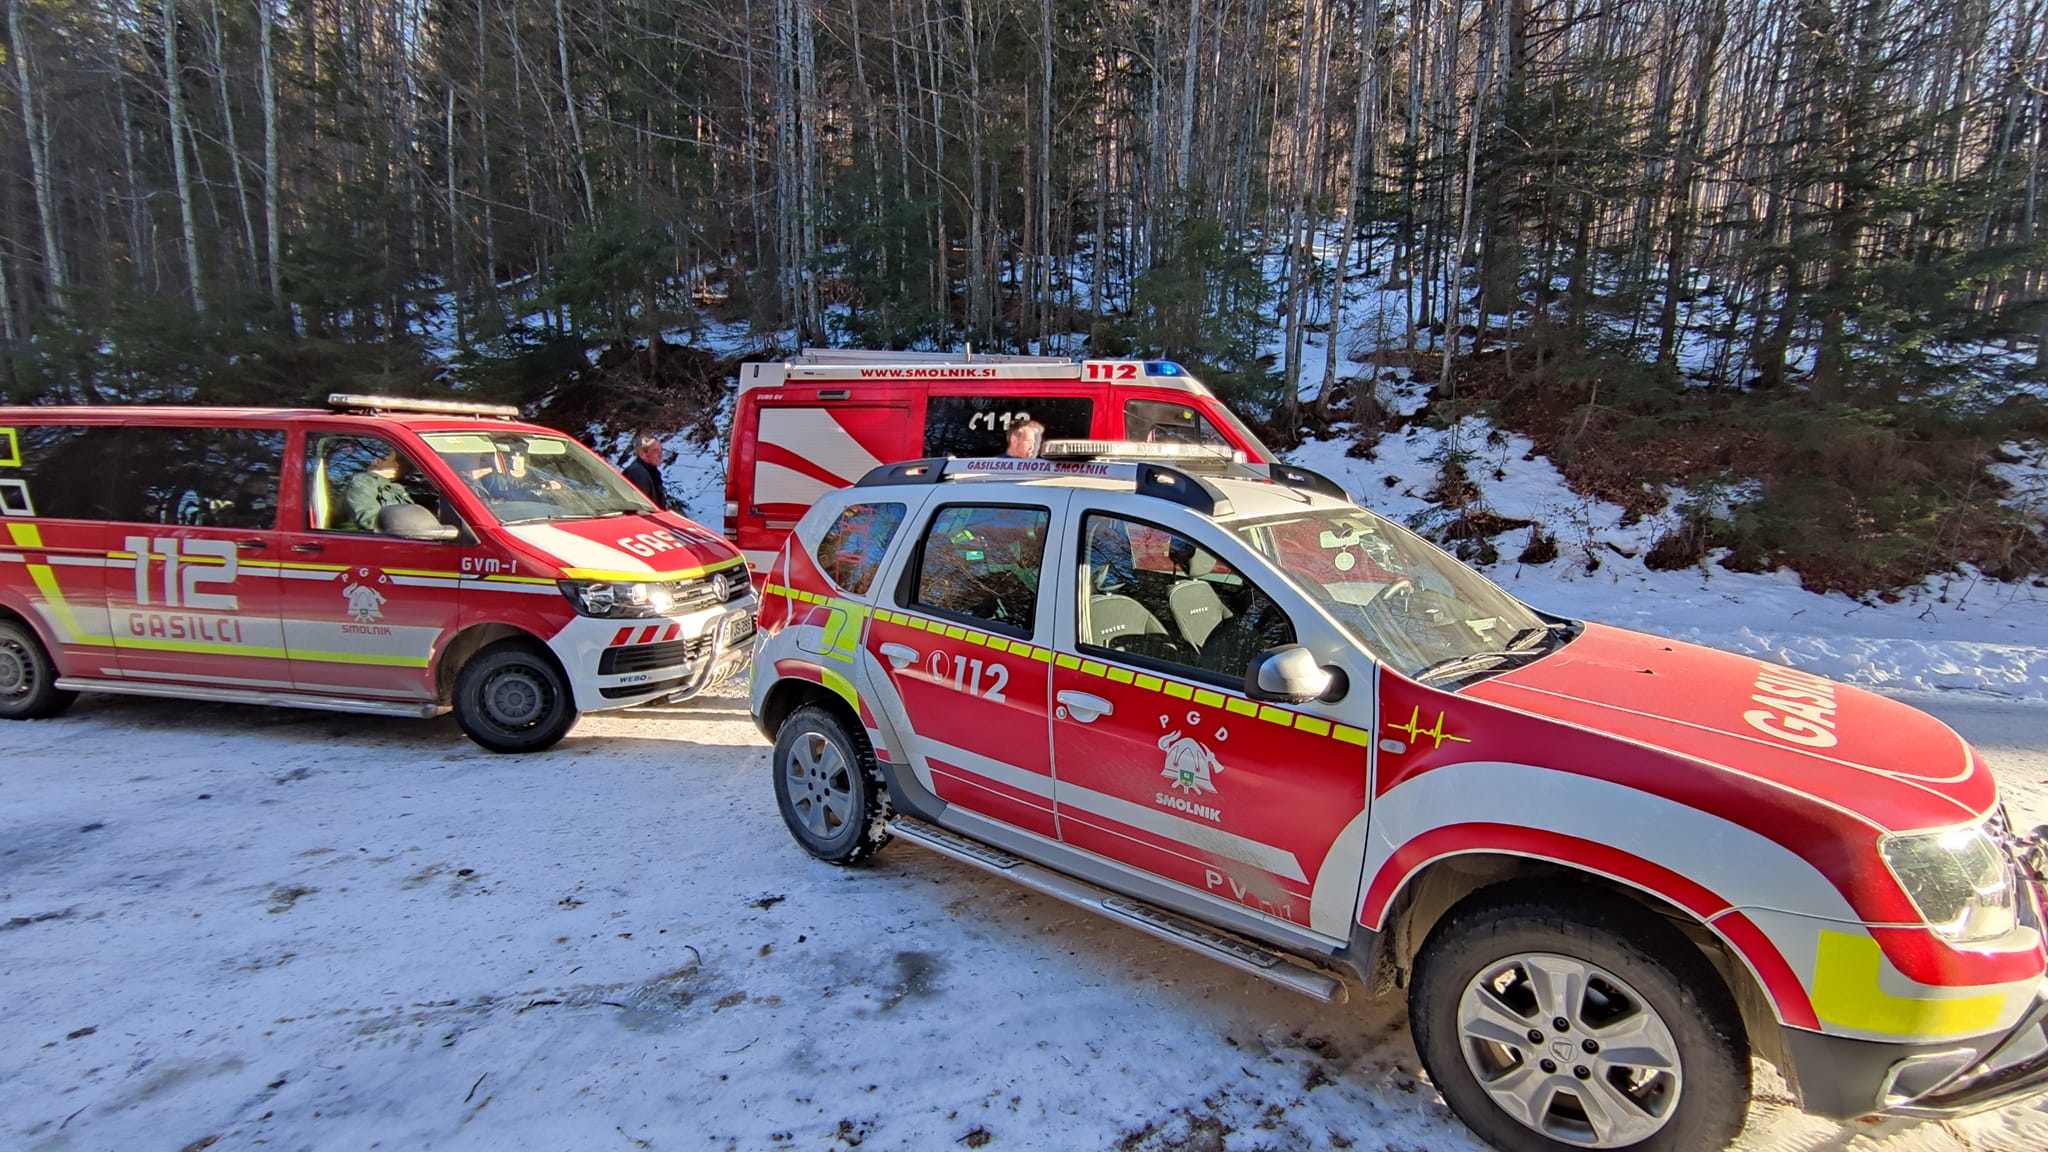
point(1416, 731)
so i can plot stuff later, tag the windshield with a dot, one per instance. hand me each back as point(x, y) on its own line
point(1407, 602)
point(1254, 447)
point(528, 479)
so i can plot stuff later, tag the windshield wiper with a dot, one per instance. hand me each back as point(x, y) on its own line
point(1521, 646)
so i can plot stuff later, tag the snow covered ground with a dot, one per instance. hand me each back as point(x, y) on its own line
point(235, 927)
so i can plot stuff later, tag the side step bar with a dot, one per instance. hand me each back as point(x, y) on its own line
point(1238, 953)
point(225, 695)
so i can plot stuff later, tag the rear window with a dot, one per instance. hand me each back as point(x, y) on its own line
point(980, 425)
point(852, 550)
point(57, 471)
point(982, 563)
point(195, 477)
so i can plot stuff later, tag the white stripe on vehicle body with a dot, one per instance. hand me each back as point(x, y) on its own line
point(1208, 838)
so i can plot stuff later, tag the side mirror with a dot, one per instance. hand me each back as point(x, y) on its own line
point(1289, 674)
point(412, 522)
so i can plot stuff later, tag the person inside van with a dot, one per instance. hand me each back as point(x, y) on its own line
point(374, 488)
point(1025, 439)
point(508, 478)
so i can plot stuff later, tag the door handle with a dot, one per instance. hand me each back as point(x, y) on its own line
point(1083, 707)
point(252, 544)
point(309, 548)
point(899, 655)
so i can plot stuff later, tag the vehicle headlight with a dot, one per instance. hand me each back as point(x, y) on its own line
point(618, 599)
point(1960, 880)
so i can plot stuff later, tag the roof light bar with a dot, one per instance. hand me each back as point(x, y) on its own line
point(1140, 450)
point(357, 402)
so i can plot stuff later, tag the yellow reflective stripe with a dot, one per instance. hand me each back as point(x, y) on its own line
point(1179, 690)
point(423, 573)
point(1280, 716)
point(11, 457)
point(1846, 993)
point(1122, 675)
point(513, 579)
point(1208, 699)
point(1066, 661)
point(26, 535)
point(46, 583)
point(841, 685)
point(1240, 706)
point(1350, 735)
point(1093, 668)
point(1313, 725)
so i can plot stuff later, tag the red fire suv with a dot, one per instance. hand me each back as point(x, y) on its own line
point(1225, 705)
point(390, 556)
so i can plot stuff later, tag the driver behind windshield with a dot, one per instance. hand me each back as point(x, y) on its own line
point(505, 475)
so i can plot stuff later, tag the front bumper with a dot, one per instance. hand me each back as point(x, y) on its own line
point(1844, 1078)
point(618, 664)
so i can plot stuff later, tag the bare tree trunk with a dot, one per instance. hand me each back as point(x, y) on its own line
point(1455, 265)
point(46, 209)
point(485, 189)
point(811, 195)
point(1187, 102)
point(1044, 272)
point(270, 239)
point(174, 94)
point(977, 242)
point(227, 119)
point(575, 121)
point(1361, 124)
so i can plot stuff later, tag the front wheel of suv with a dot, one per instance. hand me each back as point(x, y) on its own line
point(829, 788)
point(1552, 1023)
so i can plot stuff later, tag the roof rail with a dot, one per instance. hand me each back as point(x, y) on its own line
point(1147, 479)
point(357, 402)
point(1155, 478)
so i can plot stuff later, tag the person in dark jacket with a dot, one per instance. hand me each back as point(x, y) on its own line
point(644, 470)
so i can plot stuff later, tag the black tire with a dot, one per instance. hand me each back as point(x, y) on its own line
point(511, 697)
point(28, 677)
point(1643, 964)
point(829, 788)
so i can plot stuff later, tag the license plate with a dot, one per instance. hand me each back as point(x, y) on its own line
point(739, 627)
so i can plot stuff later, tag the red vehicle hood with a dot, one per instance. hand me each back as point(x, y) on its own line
point(657, 547)
point(1850, 749)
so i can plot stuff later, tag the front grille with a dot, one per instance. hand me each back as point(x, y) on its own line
point(643, 657)
point(692, 595)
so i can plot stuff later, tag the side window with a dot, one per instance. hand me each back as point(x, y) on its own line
point(351, 477)
point(980, 425)
point(58, 471)
point(984, 563)
point(1158, 422)
point(197, 477)
point(1155, 595)
point(853, 547)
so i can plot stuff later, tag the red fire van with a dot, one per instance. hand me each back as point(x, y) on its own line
point(819, 422)
point(390, 556)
